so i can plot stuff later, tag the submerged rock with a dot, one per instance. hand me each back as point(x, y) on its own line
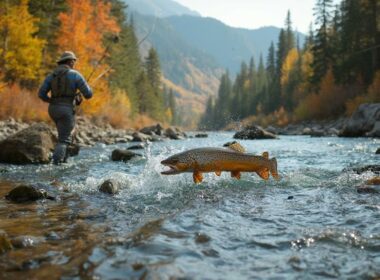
point(372, 168)
point(365, 121)
point(254, 132)
point(201, 135)
point(31, 145)
point(378, 151)
point(370, 186)
point(366, 189)
point(25, 193)
point(123, 155)
point(110, 187)
point(202, 238)
point(5, 243)
point(24, 241)
point(136, 147)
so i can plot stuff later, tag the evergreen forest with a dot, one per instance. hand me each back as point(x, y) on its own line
point(336, 69)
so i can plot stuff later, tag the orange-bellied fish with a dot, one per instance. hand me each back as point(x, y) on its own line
point(232, 159)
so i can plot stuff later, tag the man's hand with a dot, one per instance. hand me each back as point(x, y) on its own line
point(78, 99)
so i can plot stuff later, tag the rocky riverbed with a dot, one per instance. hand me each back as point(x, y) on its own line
point(365, 122)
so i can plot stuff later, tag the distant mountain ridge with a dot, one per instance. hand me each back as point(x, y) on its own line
point(194, 51)
point(159, 8)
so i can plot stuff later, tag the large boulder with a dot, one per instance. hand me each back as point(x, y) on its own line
point(365, 121)
point(153, 130)
point(31, 145)
point(254, 132)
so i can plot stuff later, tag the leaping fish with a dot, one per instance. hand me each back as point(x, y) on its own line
point(233, 159)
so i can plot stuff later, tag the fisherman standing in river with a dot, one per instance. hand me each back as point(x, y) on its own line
point(64, 84)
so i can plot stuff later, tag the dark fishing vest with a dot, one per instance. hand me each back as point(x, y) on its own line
point(61, 92)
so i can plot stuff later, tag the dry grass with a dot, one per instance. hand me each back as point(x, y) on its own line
point(22, 104)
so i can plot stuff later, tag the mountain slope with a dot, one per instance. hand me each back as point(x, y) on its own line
point(179, 60)
point(228, 45)
point(159, 8)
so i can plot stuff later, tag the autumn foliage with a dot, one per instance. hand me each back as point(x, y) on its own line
point(83, 28)
point(21, 104)
point(33, 34)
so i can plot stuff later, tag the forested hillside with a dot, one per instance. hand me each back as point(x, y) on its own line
point(327, 77)
point(127, 91)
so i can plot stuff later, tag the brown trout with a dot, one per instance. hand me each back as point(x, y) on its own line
point(232, 159)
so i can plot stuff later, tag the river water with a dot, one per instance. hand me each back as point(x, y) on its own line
point(312, 224)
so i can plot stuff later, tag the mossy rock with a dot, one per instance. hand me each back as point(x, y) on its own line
point(25, 193)
point(110, 187)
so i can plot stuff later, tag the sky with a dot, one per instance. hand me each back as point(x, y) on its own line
point(256, 13)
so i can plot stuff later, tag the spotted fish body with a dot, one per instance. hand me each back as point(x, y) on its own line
point(216, 160)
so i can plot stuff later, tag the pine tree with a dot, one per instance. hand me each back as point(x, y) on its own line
point(48, 23)
point(124, 57)
point(152, 66)
point(321, 49)
point(290, 38)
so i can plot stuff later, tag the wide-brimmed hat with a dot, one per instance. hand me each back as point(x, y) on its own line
point(67, 55)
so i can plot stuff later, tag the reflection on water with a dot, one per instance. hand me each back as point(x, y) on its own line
point(310, 224)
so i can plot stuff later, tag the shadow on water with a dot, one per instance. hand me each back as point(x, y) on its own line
point(310, 224)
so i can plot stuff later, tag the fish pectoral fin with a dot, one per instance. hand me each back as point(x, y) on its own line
point(263, 173)
point(265, 155)
point(236, 174)
point(197, 177)
point(218, 173)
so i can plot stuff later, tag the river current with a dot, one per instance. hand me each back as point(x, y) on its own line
point(311, 224)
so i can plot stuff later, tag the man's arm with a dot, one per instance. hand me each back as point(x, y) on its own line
point(44, 89)
point(83, 87)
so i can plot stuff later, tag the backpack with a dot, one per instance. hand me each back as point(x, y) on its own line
point(60, 84)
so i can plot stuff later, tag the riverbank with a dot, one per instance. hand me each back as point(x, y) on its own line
point(89, 132)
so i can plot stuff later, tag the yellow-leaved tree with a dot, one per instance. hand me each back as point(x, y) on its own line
point(21, 50)
point(288, 66)
point(82, 31)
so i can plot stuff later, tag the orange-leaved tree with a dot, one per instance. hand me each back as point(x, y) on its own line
point(83, 28)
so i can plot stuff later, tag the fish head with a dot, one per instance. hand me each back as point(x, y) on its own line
point(177, 164)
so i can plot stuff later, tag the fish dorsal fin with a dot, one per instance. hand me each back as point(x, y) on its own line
point(236, 147)
point(263, 173)
point(266, 155)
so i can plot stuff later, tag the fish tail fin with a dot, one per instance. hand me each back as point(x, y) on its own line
point(273, 168)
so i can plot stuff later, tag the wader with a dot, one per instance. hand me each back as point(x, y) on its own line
point(62, 111)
